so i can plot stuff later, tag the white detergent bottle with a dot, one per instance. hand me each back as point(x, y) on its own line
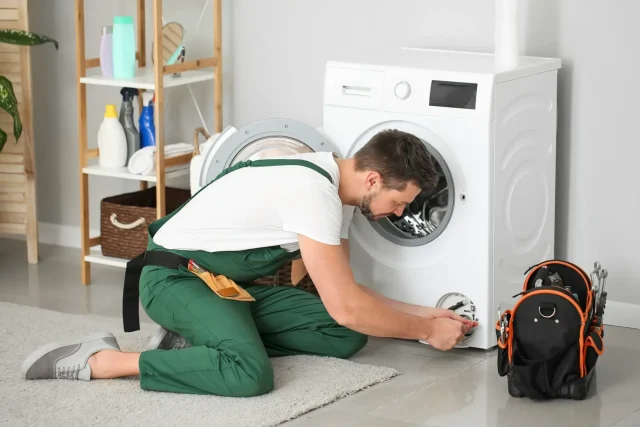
point(112, 141)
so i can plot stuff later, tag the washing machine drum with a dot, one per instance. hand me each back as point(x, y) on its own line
point(261, 140)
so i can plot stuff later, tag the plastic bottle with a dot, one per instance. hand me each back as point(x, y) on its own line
point(112, 142)
point(147, 125)
point(127, 122)
point(106, 51)
point(124, 47)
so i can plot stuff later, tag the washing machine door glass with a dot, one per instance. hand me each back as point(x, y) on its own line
point(261, 140)
point(428, 215)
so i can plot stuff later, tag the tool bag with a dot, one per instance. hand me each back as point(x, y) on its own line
point(550, 341)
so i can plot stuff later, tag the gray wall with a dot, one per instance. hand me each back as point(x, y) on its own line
point(275, 52)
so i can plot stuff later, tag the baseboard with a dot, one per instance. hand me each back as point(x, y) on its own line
point(62, 235)
point(57, 234)
point(622, 314)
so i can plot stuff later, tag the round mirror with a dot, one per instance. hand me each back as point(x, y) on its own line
point(172, 37)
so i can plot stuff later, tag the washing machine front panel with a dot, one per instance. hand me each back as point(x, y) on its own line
point(261, 140)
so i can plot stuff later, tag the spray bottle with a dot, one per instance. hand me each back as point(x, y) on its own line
point(147, 126)
point(127, 122)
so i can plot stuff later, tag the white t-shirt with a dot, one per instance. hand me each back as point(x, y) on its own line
point(256, 207)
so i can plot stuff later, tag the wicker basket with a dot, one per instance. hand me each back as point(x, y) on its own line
point(124, 220)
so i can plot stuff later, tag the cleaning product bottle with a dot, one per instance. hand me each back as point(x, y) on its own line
point(126, 120)
point(106, 51)
point(112, 142)
point(124, 47)
point(147, 126)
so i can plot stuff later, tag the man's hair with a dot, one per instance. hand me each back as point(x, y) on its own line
point(399, 157)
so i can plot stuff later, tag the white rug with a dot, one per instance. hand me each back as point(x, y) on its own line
point(302, 383)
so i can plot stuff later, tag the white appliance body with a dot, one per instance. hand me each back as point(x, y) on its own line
point(493, 135)
point(500, 158)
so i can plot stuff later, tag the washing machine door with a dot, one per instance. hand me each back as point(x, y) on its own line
point(261, 140)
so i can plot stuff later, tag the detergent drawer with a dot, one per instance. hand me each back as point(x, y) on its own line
point(353, 88)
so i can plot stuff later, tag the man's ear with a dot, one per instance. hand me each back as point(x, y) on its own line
point(374, 181)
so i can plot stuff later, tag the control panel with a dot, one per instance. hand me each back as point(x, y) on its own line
point(410, 91)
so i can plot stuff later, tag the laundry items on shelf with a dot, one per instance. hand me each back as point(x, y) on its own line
point(143, 161)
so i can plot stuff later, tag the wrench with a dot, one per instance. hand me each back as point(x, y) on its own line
point(603, 276)
point(595, 274)
point(502, 326)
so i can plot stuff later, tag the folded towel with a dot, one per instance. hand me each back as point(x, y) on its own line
point(195, 168)
point(143, 161)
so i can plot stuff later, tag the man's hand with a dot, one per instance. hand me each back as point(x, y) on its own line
point(440, 313)
point(419, 310)
point(446, 333)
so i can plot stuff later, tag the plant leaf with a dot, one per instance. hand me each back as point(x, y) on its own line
point(3, 139)
point(9, 103)
point(24, 38)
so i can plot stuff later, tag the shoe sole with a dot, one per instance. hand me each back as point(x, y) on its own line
point(155, 340)
point(33, 357)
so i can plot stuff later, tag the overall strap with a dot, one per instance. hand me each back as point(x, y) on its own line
point(291, 162)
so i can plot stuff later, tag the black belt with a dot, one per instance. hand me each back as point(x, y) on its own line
point(131, 291)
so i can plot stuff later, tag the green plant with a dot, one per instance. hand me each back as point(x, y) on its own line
point(8, 101)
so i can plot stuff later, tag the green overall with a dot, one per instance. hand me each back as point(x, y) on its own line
point(233, 340)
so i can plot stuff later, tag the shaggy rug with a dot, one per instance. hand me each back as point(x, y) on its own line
point(302, 383)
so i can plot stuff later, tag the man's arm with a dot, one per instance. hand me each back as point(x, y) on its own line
point(349, 304)
point(417, 310)
point(345, 247)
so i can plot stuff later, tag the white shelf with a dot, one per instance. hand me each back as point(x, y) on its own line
point(97, 257)
point(145, 78)
point(123, 173)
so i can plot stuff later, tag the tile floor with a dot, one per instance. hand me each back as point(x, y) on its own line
point(455, 388)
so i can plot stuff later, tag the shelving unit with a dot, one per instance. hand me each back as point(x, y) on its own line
point(156, 78)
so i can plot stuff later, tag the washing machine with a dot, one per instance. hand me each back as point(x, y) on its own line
point(466, 244)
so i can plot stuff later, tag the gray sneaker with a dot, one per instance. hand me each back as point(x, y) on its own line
point(164, 339)
point(66, 359)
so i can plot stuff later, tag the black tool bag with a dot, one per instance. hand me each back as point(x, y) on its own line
point(549, 343)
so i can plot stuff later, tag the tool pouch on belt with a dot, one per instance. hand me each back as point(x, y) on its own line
point(550, 341)
point(222, 286)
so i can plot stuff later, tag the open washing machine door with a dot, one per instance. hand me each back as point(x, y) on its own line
point(262, 139)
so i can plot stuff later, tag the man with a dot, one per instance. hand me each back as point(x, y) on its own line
point(246, 224)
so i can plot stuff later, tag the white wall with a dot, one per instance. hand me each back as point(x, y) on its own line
point(277, 50)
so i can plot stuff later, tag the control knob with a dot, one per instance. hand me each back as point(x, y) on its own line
point(402, 90)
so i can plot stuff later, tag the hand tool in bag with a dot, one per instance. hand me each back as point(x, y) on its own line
point(222, 286)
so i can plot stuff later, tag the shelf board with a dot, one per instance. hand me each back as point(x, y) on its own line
point(97, 258)
point(123, 173)
point(145, 78)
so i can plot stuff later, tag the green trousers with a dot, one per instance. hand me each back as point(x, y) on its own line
point(232, 341)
